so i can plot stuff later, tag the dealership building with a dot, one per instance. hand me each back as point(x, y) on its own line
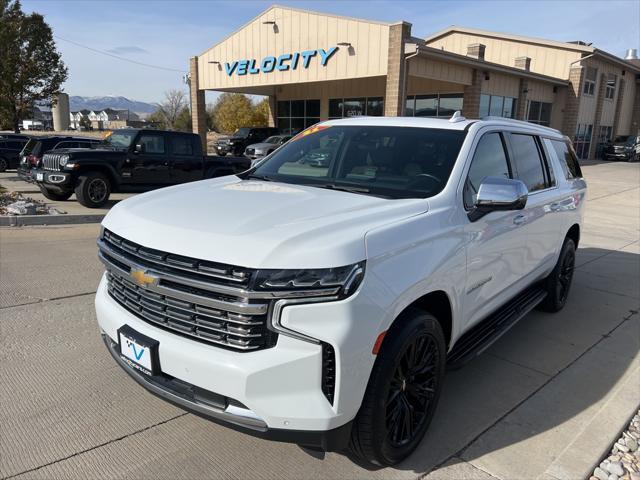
point(316, 66)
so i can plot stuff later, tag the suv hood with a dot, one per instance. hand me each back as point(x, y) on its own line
point(257, 224)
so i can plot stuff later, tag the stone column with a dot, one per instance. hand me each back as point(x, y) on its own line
point(395, 92)
point(572, 102)
point(271, 121)
point(619, 103)
point(471, 100)
point(597, 118)
point(198, 105)
point(521, 105)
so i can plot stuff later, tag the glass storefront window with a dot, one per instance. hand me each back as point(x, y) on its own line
point(540, 113)
point(354, 107)
point(296, 115)
point(375, 107)
point(485, 101)
point(449, 104)
point(509, 110)
point(426, 106)
point(435, 105)
point(495, 109)
point(335, 108)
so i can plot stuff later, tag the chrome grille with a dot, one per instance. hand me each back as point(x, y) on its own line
point(202, 300)
point(51, 161)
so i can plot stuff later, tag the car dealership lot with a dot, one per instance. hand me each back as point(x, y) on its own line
point(545, 401)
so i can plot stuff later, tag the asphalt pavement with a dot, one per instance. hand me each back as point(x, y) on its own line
point(546, 401)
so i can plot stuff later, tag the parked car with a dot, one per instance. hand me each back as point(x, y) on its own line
point(32, 153)
point(14, 136)
point(10, 149)
point(256, 151)
point(622, 148)
point(243, 137)
point(130, 160)
point(320, 305)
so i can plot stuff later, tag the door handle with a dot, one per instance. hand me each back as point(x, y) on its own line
point(519, 219)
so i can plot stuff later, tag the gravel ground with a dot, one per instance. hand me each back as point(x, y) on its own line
point(623, 462)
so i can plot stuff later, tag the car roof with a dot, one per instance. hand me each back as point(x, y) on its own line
point(457, 123)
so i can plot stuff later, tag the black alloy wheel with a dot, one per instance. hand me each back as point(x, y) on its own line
point(3, 164)
point(97, 190)
point(403, 391)
point(412, 390)
point(565, 275)
point(558, 283)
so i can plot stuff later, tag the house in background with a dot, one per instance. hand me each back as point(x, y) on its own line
point(107, 119)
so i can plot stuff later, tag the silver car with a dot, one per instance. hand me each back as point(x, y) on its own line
point(258, 150)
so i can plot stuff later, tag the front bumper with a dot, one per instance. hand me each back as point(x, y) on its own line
point(54, 181)
point(621, 155)
point(281, 385)
point(228, 412)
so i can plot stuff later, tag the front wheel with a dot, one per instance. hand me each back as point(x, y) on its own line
point(558, 283)
point(4, 164)
point(403, 391)
point(54, 195)
point(93, 190)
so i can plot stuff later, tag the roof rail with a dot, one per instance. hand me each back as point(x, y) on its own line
point(513, 121)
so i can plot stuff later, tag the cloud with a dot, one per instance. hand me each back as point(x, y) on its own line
point(127, 49)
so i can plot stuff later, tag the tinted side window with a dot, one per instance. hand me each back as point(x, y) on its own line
point(528, 162)
point(181, 145)
point(489, 160)
point(152, 143)
point(567, 158)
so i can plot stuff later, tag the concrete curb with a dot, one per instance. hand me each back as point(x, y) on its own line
point(63, 219)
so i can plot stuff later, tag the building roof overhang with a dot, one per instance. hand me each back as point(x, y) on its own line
point(435, 53)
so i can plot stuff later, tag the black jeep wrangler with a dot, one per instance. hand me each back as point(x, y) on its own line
point(130, 160)
point(242, 138)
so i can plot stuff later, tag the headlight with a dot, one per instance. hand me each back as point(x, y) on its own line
point(63, 160)
point(339, 281)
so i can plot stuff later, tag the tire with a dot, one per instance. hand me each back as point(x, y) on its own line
point(93, 190)
point(375, 437)
point(558, 283)
point(4, 164)
point(55, 195)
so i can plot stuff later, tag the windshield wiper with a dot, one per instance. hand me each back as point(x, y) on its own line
point(344, 188)
point(259, 177)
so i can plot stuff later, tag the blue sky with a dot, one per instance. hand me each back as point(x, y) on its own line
point(167, 33)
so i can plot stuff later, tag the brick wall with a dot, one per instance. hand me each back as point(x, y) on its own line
point(619, 103)
point(597, 117)
point(471, 101)
point(521, 105)
point(635, 117)
point(198, 106)
point(572, 103)
point(396, 87)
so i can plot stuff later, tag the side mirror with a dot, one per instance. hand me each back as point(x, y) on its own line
point(499, 193)
point(139, 148)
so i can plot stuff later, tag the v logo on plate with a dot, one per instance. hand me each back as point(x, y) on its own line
point(135, 351)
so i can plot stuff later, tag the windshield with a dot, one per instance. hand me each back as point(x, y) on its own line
point(30, 147)
point(273, 140)
point(120, 139)
point(393, 162)
point(242, 132)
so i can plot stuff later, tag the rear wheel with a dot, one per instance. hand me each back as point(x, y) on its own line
point(403, 391)
point(4, 164)
point(93, 190)
point(55, 195)
point(558, 283)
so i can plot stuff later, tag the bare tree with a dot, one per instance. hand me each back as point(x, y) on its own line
point(174, 102)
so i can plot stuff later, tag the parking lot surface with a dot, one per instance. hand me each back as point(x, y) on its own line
point(544, 402)
point(10, 181)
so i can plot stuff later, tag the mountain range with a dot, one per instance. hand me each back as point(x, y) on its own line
point(117, 103)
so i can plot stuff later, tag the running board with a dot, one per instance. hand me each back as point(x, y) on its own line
point(480, 337)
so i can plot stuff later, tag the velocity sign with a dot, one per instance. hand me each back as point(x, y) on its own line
point(286, 61)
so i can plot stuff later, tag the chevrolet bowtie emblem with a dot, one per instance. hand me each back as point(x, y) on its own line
point(143, 279)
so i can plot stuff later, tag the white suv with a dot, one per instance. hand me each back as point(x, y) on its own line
point(319, 297)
